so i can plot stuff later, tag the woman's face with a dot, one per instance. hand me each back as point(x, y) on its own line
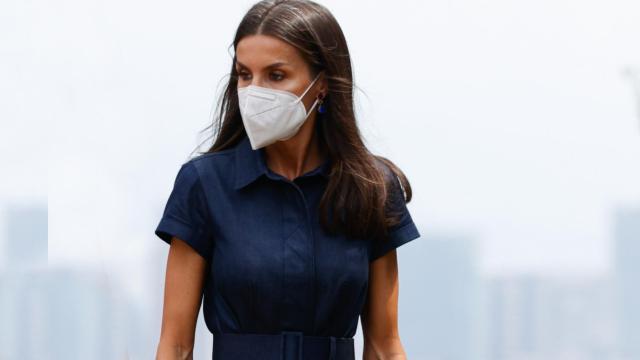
point(269, 62)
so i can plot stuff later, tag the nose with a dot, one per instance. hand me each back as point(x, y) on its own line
point(256, 81)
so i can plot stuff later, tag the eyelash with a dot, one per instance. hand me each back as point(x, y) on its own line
point(280, 76)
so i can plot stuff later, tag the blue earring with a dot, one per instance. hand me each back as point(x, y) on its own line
point(321, 108)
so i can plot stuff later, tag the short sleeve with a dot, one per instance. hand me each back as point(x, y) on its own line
point(186, 214)
point(405, 230)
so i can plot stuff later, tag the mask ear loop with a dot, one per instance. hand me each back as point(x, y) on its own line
point(309, 87)
point(307, 113)
point(311, 108)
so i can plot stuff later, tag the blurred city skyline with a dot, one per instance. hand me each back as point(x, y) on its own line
point(448, 309)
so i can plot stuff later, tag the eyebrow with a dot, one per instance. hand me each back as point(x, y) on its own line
point(275, 64)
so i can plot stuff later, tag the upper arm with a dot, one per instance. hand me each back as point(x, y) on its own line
point(380, 314)
point(186, 226)
point(184, 281)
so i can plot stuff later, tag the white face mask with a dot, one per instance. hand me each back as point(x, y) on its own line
point(270, 115)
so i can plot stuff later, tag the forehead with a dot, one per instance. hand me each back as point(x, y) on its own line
point(262, 50)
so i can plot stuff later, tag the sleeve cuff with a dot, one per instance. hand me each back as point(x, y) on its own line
point(168, 228)
point(397, 238)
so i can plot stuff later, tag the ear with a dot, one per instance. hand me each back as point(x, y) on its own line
point(323, 87)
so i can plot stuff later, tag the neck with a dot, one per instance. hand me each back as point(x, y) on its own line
point(297, 155)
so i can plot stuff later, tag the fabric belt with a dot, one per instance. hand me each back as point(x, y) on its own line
point(287, 345)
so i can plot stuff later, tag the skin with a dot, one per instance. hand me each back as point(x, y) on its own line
point(290, 158)
point(379, 317)
point(254, 55)
point(182, 297)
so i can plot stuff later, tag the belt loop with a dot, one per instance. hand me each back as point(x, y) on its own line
point(291, 345)
point(332, 348)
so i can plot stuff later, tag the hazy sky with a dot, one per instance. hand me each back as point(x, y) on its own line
point(511, 119)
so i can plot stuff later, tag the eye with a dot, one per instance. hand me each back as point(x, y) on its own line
point(243, 75)
point(276, 76)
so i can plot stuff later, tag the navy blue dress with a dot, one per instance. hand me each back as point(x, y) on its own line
point(271, 267)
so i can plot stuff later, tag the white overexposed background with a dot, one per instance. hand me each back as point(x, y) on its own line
point(516, 123)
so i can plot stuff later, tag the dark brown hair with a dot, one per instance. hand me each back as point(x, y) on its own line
point(358, 184)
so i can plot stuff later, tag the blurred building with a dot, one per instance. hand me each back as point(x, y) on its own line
point(24, 244)
point(627, 280)
point(48, 313)
point(444, 299)
point(25, 238)
point(535, 317)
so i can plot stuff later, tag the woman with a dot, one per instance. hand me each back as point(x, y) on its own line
point(251, 222)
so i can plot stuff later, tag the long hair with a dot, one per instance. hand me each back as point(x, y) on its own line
point(358, 185)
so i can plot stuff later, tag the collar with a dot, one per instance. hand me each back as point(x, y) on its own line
point(251, 164)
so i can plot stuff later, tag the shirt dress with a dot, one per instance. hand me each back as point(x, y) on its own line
point(271, 266)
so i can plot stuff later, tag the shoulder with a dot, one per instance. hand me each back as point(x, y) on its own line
point(398, 187)
point(210, 164)
point(216, 158)
point(388, 170)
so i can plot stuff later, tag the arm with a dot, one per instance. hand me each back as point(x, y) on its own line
point(380, 314)
point(182, 297)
